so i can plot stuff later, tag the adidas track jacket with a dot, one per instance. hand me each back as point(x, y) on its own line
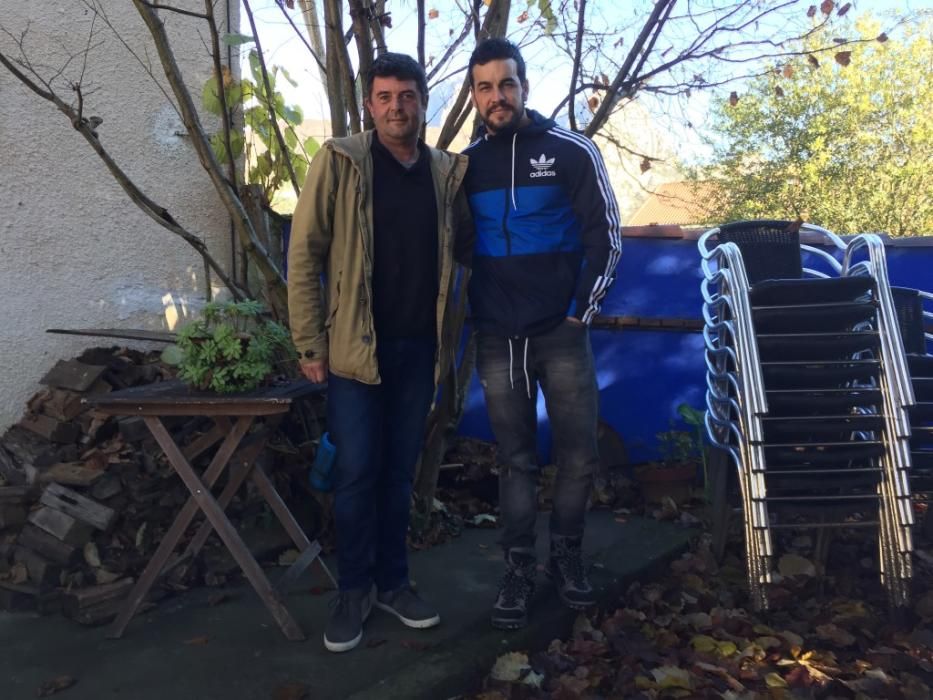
point(547, 229)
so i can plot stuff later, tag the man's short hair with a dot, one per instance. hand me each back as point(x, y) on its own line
point(400, 67)
point(496, 49)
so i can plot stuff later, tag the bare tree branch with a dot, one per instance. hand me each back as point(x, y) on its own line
point(221, 93)
point(248, 237)
point(153, 210)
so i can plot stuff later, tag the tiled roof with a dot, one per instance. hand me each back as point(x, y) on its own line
point(677, 203)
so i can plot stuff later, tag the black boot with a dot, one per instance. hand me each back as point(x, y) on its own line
point(516, 590)
point(567, 571)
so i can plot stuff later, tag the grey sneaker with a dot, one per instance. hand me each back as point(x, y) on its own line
point(408, 607)
point(567, 571)
point(516, 590)
point(349, 611)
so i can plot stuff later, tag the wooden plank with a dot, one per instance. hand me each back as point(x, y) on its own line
point(14, 494)
point(51, 429)
point(81, 598)
point(48, 546)
point(78, 506)
point(11, 473)
point(42, 572)
point(12, 515)
point(70, 474)
point(18, 597)
point(74, 375)
point(122, 333)
point(64, 527)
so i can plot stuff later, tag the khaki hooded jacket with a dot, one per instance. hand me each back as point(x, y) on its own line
point(332, 233)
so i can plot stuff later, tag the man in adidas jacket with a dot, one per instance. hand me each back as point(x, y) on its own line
point(547, 244)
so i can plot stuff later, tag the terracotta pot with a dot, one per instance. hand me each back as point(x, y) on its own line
point(671, 480)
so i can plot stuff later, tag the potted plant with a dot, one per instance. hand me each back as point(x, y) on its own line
point(233, 347)
point(681, 452)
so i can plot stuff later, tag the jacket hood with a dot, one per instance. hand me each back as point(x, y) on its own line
point(539, 124)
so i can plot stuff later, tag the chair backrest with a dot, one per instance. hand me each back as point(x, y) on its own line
point(909, 307)
point(770, 249)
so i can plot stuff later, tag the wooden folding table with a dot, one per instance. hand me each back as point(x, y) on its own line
point(233, 416)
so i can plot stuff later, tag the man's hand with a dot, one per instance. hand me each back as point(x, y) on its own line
point(574, 321)
point(315, 370)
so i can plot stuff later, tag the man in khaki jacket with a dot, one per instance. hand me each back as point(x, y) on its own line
point(382, 217)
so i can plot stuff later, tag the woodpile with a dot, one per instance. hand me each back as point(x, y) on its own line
point(85, 498)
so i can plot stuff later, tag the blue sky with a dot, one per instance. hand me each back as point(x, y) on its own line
point(548, 69)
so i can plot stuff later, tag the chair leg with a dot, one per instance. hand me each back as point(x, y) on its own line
point(720, 510)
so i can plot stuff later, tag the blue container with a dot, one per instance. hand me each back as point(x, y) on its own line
point(321, 475)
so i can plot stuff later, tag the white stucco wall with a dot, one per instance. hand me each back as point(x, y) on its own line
point(75, 252)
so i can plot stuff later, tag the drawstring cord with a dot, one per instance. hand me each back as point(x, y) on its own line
point(514, 138)
point(524, 367)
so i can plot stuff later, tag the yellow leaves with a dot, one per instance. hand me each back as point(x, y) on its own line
point(774, 680)
point(704, 643)
point(843, 58)
point(671, 677)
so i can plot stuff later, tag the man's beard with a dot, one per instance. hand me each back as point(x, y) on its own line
point(515, 118)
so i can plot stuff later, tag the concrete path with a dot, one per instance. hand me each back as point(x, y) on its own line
point(186, 649)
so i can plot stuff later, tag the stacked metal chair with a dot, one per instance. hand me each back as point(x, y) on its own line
point(808, 390)
point(917, 344)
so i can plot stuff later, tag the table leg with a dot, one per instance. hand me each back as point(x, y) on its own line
point(220, 429)
point(181, 523)
point(226, 531)
point(237, 476)
point(267, 489)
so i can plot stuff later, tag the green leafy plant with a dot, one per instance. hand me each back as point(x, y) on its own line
point(232, 347)
point(266, 164)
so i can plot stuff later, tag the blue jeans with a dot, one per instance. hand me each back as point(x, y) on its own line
point(510, 370)
point(378, 430)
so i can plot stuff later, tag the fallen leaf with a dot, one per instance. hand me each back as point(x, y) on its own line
point(672, 677)
point(292, 691)
point(774, 680)
point(288, 557)
point(91, 555)
point(55, 685)
point(843, 58)
point(835, 634)
point(510, 667)
point(197, 641)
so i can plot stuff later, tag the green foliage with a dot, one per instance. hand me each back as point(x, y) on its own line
point(844, 140)
point(266, 164)
point(232, 347)
point(677, 446)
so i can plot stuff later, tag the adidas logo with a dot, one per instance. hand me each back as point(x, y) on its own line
point(542, 167)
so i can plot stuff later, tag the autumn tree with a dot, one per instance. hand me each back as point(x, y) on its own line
point(844, 140)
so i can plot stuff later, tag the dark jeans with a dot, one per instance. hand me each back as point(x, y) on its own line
point(561, 361)
point(378, 431)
